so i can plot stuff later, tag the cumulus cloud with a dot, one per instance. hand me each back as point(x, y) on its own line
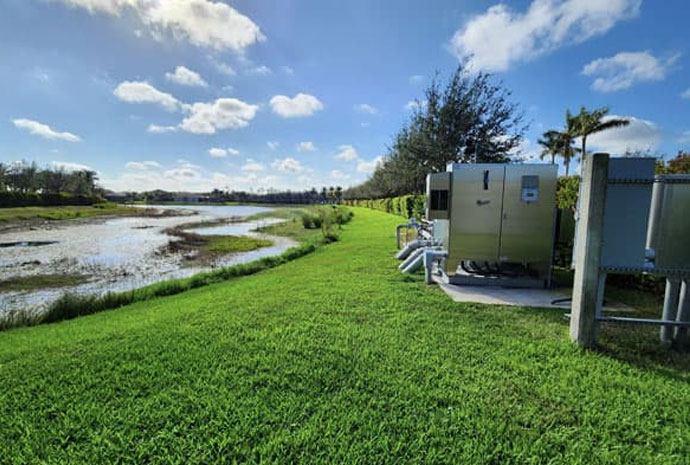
point(364, 166)
point(224, 113)
point(626, 69)
point(639, 135)
point(272, 145)
point(306, 146)
point(186, 77)
point(155, 129)
point(297, 106)
point(252, 166)
point(232, 151)
point(143, 92)
point(288, 165)
point(203, 23)
point(142, 165)
point(43, 130)
point(262, 70)
point(339, 175)
point(346, 152)
point(69, 166)
point(365, 108)
point(686, 94)
point(218, 153)
point(500, 37)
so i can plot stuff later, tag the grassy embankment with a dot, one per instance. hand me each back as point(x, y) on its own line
point(68, 212)
point(337, 357)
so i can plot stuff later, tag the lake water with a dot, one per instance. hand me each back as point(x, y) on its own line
point(119, 253)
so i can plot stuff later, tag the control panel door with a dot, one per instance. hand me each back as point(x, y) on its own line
point(475, 218)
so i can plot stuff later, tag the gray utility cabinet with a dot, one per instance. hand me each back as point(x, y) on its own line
point(496, 213)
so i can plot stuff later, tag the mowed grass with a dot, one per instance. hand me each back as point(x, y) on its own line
point(335, 357)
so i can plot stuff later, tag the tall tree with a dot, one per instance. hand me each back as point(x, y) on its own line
point(558, 143)
point(588, 122)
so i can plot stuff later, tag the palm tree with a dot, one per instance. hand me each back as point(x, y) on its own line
point(589, 122)
point(558, 143)
point(549, 144)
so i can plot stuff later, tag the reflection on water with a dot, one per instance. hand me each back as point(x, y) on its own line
point(121, 253)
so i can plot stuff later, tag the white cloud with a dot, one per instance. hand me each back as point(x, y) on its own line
point(500, 37)
point(232, 151)
point(187, 177)
point(142, 165)
point(262, 70)
point(307, 146)
point(298, 106)
point(626, 69)
point(685, 94)
point(143, 92)
point(416, 79)
point(43, 130)
point(224, 113)
point(186, 77)
point(204, 23)
point(253, 166)
point(684, 137)
point(223, 68)
point(365, 108)
point(337, 174)
point(287, 70)
point(346, 152)
point(69, 166)
point(288, 165)
point(364, 166)
point(414, 105)
point(639, 135)
point(272, 145)
point(155, 129)
point(218, 153)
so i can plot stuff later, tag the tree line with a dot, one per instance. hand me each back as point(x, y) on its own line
point(29, 178)
point(469, 120)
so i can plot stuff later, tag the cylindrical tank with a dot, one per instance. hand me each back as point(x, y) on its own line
point(668, 232)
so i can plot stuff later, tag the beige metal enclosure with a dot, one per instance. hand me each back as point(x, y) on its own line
point(497, 214)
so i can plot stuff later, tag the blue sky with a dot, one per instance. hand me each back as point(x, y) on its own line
point(197, 94)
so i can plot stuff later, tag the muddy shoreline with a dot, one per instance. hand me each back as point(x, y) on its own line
point(119, 253)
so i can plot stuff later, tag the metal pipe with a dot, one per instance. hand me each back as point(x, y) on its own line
point(671, 297)
point(683, 315)
point(409, 248)
point(412, 224)
point(430, 256)
point(410, 259)
point(643, 321)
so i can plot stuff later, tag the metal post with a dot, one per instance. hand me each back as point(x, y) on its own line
point(670, 308)
point(587, 253)
point(683, 314)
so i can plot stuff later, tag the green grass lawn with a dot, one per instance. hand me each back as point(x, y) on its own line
point(336, 357)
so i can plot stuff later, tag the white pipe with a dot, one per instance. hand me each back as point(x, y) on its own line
point(670, 307)
point(430, 256)
point(413, 256)
point(412, 246)
point(416, 263)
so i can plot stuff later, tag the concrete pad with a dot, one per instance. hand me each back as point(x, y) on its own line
point(517, 296)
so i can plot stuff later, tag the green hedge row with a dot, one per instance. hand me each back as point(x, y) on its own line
point(407, 206)
point(34, 199)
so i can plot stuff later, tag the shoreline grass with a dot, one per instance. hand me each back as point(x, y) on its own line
point(61, 213)
point(336, 358)
point(32, 282)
